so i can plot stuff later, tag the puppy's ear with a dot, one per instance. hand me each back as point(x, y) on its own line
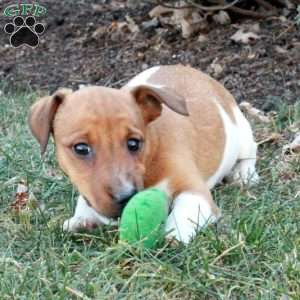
point(41, 116)
point(150, 100)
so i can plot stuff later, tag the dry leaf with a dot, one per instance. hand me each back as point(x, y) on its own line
point(123, 27)
point(244, 37)
point(283, 19)
point(180, 14)
point(153, 23)
point(222, 18)
point(133, 27)
point(254, 112)
point(251, 55)
point(22, 197)
point(118, 28)
point(159, 10)
point(294, 127)
point(296, 45)
point(294, 146)
point(286, 171)
point(98, 7)
point(272, 138)
point(216, 68)
point(167, 21)
point(289, 4)
point(99, 32)
point(187, 28)
point(202, 38)
point(280, 50)
point(189, 20)
point(254, 28)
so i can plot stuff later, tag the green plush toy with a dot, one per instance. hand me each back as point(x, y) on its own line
point(143, 218)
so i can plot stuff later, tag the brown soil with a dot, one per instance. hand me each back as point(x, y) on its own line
point(80, 46)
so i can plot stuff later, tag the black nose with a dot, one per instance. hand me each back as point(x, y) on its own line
point(124, 198)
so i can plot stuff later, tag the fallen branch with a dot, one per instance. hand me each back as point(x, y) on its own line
point(213, 7)
point(265, 4)
point(247, 12)
point(280, 2)
point(193, 4)
point(222, 5)
point(250, 13)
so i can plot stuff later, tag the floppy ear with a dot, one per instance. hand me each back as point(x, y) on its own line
point(41, 116)
point(150, 100)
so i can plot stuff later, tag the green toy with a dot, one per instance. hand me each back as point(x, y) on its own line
point(143, 218)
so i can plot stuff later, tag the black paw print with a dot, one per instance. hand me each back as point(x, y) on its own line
point(24, 32)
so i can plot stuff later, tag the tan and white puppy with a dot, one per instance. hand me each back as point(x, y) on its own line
point(170, 126)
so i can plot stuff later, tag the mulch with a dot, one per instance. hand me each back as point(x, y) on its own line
point(81, 46)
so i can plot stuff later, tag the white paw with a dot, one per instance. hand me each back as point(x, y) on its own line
point(244, 173)
point(76, 223)
point(86, 217)
point(185, 230)
point(253, 179)
point(191, 213)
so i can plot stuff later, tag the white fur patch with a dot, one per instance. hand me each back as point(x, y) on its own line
point(246, 140)
point(123, 188)
point(191, 212)
point(231, 151)
point(164, 186)
point(143, 78)
point(245, 171)
point(85, 216)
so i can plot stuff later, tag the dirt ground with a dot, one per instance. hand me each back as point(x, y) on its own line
point(80, 46)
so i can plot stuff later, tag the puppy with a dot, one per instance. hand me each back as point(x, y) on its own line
point(172, 127)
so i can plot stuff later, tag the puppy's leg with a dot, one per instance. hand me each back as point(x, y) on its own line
point(245, 172)
point(85, 217)
point(191, 211)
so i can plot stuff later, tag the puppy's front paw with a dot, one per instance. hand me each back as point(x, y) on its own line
point(244, 173)
point(76, 223)
point(246, 178)
point(191, 212)
point(253, 179)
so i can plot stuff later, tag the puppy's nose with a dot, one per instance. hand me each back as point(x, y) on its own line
point(123, 198)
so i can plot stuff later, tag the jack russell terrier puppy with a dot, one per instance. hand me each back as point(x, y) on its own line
point(172, 127)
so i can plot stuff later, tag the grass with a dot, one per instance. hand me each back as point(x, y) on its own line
point(253, 253)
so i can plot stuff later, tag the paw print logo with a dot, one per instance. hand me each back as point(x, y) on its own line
point(24, 32)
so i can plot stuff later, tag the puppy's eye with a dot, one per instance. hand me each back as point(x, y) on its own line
point(133, 145)
point(82, 149)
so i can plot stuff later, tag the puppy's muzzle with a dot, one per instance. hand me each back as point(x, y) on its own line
point(124, 197)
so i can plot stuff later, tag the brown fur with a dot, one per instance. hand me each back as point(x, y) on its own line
point(185, 150)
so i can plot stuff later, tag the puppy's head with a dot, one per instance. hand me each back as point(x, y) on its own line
point(101, 137)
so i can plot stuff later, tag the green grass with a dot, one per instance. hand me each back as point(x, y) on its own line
point(252, 253)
